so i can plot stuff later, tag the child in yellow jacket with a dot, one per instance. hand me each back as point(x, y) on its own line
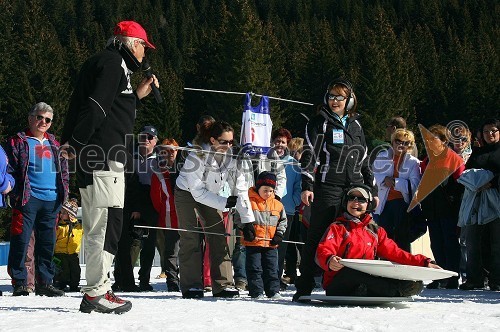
point(263, 237)
point(68, 241)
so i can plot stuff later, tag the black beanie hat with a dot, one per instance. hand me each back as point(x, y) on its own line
point(266, 179)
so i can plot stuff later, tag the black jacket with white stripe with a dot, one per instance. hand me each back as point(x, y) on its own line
point(102, 110)
point(339, 164)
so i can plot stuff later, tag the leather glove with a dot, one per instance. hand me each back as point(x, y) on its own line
point(249, 232)
point(231, 201)
point(276, 240)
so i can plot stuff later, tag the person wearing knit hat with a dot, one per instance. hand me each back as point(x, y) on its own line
point(262, 238)
point(68, 242)
point(100, 116)
point(266, 179)
point(71, 206)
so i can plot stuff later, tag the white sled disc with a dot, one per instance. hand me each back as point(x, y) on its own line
point(397, 271)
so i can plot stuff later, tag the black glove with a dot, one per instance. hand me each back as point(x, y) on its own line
point(231, 201)
point(249, 232)
point(276, 240)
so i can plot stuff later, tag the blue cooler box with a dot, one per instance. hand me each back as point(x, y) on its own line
point(4, 252)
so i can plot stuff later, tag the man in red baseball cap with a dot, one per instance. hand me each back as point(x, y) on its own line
point(132, 29)
point(100, 116)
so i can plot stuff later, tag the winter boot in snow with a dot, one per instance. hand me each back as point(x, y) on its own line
point(107, 303)
point(20, 290)
point(193, 293)
point(228, 292)
point(410, 288)
point(48, 290)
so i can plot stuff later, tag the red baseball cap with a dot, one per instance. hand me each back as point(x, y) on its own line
point(132, 29)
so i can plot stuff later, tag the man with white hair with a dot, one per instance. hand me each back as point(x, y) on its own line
point(100, 117)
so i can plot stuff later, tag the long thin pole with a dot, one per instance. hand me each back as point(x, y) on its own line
point(209, 233)
point(253, 94)
point(242, 156)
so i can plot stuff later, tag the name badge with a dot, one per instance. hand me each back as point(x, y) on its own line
point(338, 136)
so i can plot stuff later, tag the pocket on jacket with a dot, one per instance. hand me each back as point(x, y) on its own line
point(108, 189)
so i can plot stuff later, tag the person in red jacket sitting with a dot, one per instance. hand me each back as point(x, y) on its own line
point(355, 235)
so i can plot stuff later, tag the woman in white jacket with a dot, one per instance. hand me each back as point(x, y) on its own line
point(197, 191)
point(397, 175)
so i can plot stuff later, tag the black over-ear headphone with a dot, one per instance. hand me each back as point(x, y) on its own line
point(371, 203)
point(350, 97)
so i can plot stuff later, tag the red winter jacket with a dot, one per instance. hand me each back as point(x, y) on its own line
point(162, 196)
point(349, 237)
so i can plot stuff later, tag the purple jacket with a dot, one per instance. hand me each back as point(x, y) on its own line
point(17, 150)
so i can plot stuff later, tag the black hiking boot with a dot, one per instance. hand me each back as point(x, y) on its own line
point(48, 290)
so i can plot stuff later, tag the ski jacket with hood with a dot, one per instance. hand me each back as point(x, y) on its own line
point(343, 155)
point(17, 149)
point(350, 237)
point(204, 178)
point(270, 219)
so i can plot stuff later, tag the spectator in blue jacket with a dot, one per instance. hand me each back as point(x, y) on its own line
point(291, 198)
point(42, 179)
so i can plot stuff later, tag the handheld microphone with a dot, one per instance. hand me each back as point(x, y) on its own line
point(146, 68)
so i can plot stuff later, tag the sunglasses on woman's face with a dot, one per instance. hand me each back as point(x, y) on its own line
point(41, 117)
point(336, 97)
point(351, 198)
point(400, 142)
point(225, 142)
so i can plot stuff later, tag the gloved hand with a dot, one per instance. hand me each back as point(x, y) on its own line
point(276, 240)
point(249, 232)
point(231, 201)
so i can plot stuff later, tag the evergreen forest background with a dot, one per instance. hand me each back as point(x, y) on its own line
point(430, 61)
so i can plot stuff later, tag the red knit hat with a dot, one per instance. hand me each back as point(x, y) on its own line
point(266, 179)
point(132, 29)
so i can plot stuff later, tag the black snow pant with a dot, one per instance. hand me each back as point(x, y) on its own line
point(349, 282)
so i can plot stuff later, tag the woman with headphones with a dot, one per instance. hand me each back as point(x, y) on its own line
point(355, 235)
point(336, 158)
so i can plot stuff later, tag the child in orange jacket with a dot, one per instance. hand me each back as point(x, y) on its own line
point(263, 237)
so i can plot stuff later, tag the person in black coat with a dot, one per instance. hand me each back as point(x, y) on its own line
point(484, 240)
point(337, 158)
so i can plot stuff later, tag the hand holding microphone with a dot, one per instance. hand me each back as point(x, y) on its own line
point(146, 68)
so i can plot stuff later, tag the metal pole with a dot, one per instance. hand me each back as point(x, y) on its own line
point(209, 233)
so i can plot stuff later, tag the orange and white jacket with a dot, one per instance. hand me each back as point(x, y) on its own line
point(270, 218)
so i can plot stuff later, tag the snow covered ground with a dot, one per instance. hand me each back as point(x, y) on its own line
point(434, 310)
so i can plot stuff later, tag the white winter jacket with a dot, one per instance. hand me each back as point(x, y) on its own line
point(384, 166)
point(204, 178)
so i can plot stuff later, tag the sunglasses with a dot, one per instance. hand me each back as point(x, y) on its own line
point(335, 97)
point(400, 142)
point(490, 132)
point(225, 142)
point(41, 117)
point(149, 137)
point(351, 198)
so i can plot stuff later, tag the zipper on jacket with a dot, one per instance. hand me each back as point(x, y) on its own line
point(25, 172)
point(346, 251)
